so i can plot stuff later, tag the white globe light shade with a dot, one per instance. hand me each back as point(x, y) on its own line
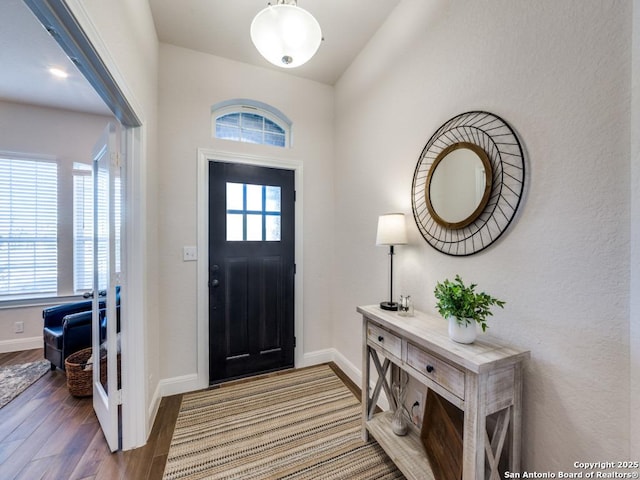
point(286, 35)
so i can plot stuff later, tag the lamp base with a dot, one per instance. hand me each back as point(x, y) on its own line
point(392, 306)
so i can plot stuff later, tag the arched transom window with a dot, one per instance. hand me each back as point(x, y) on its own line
point(250, 121)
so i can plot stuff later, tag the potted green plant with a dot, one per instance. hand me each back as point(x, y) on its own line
point(464, 308)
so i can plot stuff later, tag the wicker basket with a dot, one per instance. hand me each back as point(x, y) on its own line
point(79, 380)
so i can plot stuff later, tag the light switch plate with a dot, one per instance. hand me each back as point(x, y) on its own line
point(189, 254)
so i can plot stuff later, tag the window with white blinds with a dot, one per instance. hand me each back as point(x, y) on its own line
point(82, 227)
point(250, 128)
point(28, 227)
point(250, 121)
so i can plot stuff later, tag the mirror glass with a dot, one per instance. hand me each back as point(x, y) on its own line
point(458, 184)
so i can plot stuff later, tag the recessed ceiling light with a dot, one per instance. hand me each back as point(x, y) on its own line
point(58, 73)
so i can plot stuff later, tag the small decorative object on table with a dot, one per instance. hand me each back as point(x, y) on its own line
point(464, 308)
point(399, 423)
point(405, 307)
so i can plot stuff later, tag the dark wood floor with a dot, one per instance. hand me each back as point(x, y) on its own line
point(45, 433)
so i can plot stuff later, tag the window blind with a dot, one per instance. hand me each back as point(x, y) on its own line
point(28, 227)
point(82, 228)
point(250, 128)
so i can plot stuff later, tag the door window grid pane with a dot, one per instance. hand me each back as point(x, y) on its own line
point(235, 196)
point(254, 197)
point(272, 200)
point(235, 227)
point(272, 228)
point(254, 228)
point(258, 219)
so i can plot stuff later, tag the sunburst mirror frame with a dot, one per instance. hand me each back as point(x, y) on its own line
point(499, 142)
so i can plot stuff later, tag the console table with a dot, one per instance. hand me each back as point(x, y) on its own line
point(481, 379)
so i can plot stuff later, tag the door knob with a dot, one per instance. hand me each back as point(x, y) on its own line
point(90, 294)
point(214, 283)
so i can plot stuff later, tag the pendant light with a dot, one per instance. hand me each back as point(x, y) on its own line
point(285, 34)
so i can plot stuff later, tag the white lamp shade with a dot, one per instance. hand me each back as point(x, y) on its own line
point(392, 229)
point(286, 35)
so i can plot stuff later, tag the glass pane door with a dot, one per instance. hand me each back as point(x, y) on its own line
point(107, 191)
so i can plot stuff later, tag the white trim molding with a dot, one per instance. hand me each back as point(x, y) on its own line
point(204, 157)
point(18, 344)
point(154, 406)
point(176, 385)
point(333, 355)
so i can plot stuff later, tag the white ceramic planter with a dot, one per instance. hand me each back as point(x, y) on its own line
point(462, 333)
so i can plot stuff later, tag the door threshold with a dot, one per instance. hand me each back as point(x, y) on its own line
point(250, 376)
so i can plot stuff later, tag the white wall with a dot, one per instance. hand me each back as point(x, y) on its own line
point(69, 137)
point(634, 314)
point(190, 83)
point(559, 73)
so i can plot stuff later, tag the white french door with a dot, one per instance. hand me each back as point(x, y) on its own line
point(108, 171)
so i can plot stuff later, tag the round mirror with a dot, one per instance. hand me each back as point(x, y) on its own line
point(450, 168)
point(458, 185)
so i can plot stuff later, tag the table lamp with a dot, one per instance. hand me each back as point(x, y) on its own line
point(391, 231)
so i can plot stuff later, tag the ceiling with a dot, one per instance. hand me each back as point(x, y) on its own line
point(27, 51)
point(221, 27)
point(217, 27)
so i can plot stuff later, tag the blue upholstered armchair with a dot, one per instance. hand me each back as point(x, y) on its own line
point(67, 329)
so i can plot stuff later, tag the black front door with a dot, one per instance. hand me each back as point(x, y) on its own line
point(251, 270)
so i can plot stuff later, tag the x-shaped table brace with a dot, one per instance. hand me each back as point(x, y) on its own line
point(381, 383)
point(495, 444)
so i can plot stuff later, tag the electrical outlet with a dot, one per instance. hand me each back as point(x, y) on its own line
point(18, 327)
point(416, 407)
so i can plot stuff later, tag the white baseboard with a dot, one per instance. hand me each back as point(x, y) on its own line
point(18, 344)
point(190, 383)
point(153, 408)
point(317, 357)
point(333, 355)
point(181, 384)
point(353, 372)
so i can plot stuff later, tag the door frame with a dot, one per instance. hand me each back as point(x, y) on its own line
point(205, 156)
point(77, 36)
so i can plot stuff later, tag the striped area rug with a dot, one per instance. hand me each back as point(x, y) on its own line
point(300, 425)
